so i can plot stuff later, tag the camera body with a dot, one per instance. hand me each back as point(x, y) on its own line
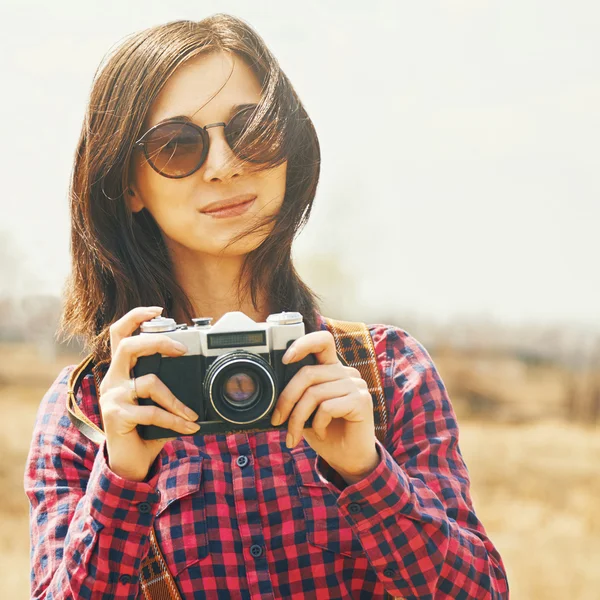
point(232, 373)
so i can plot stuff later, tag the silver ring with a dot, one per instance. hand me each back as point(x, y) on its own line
point(133, 388)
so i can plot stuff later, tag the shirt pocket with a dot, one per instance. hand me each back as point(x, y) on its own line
point(326, 527)
point(180, 523)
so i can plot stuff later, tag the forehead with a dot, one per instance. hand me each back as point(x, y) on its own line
point(205, 88)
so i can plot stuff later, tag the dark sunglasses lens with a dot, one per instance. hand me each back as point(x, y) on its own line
point(175, 149)
point(253, 145)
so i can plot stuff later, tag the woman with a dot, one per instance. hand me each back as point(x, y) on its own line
point(197, 165)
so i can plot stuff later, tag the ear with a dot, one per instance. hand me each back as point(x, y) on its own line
point(133, 199)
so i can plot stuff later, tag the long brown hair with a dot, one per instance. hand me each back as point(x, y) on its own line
point(119, 259)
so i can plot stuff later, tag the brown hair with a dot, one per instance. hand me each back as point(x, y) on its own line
point(119, 259)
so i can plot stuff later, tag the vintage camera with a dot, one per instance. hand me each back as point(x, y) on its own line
point(232, 373)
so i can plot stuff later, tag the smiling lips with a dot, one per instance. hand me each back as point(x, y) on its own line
point(231, 207)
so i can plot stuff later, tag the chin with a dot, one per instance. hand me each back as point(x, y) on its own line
point(240, 248)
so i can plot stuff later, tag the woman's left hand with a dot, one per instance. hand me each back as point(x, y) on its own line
point(343, 428)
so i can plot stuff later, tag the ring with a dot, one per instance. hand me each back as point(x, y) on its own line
point(133, 388)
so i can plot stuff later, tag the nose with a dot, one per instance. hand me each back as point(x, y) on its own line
point(221, 163)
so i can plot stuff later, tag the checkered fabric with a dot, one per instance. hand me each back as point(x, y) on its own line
point(243, 516)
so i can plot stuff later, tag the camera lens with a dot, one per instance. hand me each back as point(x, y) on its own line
point(241, 389)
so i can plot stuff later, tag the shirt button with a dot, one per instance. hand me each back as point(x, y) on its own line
point(242, 461)
point(125, 579)
point(389, 572)
point(144, 507)
point(354, 507)
point(256, 550)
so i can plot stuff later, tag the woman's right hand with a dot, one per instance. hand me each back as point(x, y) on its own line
point(129, 455)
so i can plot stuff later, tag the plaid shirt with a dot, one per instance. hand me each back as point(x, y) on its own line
point(243, 516)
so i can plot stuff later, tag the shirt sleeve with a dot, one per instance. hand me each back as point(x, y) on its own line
point(413, 514)
point(89, 528)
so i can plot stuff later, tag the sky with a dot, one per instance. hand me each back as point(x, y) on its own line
point(460, 146)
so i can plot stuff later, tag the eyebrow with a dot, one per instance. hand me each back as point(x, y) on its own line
point(232, 111)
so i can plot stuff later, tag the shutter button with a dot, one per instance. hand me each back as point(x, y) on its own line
point(256, 550)
point(242, 461)
point(354, 508)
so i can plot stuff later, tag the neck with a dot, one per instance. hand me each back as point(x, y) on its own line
point(211, 284)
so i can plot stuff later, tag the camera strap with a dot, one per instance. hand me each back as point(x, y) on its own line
point(354, 347)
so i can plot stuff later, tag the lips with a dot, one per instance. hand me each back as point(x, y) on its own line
point(229, 204)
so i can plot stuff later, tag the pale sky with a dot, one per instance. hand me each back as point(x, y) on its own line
point(460, 145)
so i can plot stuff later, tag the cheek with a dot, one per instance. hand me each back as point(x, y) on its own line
point(161, 196)
point(278, 176)
point(273, 182)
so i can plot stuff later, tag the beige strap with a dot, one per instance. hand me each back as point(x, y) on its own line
point(355, 345)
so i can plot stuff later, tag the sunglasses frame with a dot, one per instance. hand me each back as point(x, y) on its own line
point(141, 142)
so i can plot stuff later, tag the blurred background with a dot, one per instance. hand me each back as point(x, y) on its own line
point(458, 200)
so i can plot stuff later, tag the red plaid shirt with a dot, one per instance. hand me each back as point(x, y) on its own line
point(243, 516)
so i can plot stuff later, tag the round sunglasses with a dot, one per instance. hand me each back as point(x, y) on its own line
point(178, 148)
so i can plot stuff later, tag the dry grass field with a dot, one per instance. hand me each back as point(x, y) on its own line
point(535, 478)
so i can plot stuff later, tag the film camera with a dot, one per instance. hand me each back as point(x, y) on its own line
point(232, 373)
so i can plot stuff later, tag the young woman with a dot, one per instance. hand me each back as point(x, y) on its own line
point(196, 166)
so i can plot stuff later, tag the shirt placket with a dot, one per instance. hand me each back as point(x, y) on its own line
point(248, 517)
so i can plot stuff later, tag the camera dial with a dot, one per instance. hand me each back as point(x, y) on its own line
point(158, 325)
point(285, 318)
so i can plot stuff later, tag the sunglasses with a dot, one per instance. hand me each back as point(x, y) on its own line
point(178, 148)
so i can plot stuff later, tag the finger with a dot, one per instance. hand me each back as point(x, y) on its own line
point(309, 385)
point(131, 348)
point(321, 422)
point(307, 376)
point(346, 407)
point(311, 399)
point(319, 343)
point(154, 415)
point(121, 418)
point(349, 408)
point(150, 386)
point(129, 322)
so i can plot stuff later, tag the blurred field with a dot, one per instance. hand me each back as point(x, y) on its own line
point(535, 477)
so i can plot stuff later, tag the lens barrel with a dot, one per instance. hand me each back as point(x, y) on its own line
point(240, 387)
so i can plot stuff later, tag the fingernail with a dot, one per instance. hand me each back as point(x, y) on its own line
point(289, 440)
point(288, 356)
point(192, 427)
point(155, 308)
point(276, 418)
point(179, 347)
point(190, 414)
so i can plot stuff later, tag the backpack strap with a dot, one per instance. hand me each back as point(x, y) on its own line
point(156, 581)
point(354, 345)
